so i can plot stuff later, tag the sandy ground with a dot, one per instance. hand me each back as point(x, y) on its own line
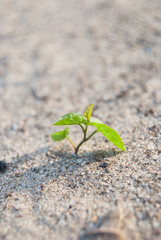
point(57, 56)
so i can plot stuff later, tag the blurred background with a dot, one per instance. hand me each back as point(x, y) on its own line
point(59, 56)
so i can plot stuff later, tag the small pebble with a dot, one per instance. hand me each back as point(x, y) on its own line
point(79, 160)
point(94, 219)
point(83, 163)
point(3, 166)
point(103, 165)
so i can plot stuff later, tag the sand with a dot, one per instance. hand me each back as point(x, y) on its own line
point(57, 57)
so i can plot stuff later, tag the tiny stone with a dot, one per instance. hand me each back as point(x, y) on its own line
point(83, 163)
point(159, 177)
point(103, 165)
point(3, 166)
point(94, 219)
point(79, 160)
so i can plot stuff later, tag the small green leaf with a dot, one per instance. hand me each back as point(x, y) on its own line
point(87, 113)
point(110, 134)
point(95, 120)
point(58, 136)
point(72, 119)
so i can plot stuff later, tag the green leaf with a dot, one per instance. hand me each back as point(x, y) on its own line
point(58, 136)
point(95, 120)
point(88, 111)
point(110, 134)
point(71, 119)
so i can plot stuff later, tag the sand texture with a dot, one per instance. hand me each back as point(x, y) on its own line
point(57, 56)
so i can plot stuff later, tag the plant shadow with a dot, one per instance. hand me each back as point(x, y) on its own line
point(94, 156)
point(30, 171)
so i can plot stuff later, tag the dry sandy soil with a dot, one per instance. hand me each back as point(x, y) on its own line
point(57, 56)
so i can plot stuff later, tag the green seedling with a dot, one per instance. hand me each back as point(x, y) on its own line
point(84, 121)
